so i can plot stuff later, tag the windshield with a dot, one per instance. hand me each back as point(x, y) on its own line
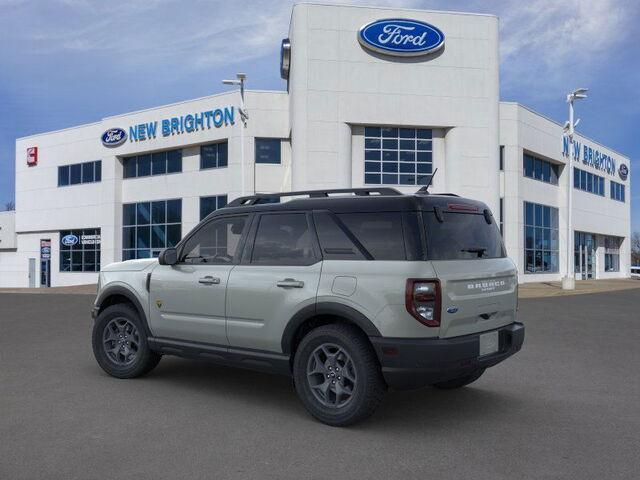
point(462, 236)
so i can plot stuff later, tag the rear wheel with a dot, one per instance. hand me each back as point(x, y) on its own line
point(337, 375)
point(460, 381)
point(120, 343)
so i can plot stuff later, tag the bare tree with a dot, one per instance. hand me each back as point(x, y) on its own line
point(635, 248)
point(11, 205)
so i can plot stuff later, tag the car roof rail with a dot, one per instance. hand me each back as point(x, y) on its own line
point(261, 197)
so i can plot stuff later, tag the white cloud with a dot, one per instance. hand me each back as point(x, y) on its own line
point(546, 42)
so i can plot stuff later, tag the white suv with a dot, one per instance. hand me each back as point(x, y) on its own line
point(348, 291)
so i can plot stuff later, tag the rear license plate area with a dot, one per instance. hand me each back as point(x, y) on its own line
point(489, 343)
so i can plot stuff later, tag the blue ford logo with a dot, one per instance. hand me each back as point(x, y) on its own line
point(401, 37)
point(114, 137)
point(69, 240)
point(623, 171)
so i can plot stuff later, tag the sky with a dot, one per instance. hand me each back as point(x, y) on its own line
point(68, 62)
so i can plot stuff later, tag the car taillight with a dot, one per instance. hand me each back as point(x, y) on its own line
point(422, 299)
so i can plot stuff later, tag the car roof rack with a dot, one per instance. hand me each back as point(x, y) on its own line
point(360, 192)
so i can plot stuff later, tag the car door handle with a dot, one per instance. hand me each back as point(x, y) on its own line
point(209, 280)
point(290, 283)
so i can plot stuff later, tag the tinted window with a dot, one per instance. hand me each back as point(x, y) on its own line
point(63, 176)
point(213, 156)
point(283, 239)
point(534, 167)
point(76, 173)
point(215, 243)
point(267, 150)
point(87, 172)
point(379, 233)
point(462, 236)
point(334, 241)
point(211, 204)
point(144, 165)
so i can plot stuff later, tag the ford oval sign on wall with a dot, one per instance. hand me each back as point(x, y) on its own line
point(401, 37)
point(114, 137)
point(623, 171)
point(69, 240)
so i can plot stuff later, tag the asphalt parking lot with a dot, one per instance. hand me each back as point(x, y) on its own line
point(567, 406)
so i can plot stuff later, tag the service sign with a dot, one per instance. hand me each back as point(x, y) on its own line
point(45, 249)
point(401, 37)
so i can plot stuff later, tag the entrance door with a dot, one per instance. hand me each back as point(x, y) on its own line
point(32, 273)
point(187, 300)
point(584, 252)
point(45, 262)
point(45, 273)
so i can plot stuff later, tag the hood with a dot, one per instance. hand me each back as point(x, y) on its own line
point(130, 265)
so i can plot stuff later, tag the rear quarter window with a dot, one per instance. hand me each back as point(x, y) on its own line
point(380, 233)
point(462, 236)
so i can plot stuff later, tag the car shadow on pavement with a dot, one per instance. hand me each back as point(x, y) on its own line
point(411, 410)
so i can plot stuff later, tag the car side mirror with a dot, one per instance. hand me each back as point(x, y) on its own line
point(169, 256)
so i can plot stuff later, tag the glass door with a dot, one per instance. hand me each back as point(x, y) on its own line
point(584, 255)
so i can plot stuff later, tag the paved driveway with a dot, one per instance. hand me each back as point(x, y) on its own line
point(567, 406)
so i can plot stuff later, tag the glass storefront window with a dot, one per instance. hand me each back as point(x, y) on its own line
point(541, 239)
point(80, 250)
point(612, 254)
point(150, 227)
point(397, 156)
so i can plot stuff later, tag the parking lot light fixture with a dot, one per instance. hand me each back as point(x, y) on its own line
point(569, 281)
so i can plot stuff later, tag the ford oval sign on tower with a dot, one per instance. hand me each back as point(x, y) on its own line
point(114, 137)
point(401, 37)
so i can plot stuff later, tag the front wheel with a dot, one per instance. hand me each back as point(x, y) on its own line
point(337, 375)
point(120, 343)
point(460, 381)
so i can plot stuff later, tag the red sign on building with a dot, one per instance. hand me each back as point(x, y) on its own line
point(32, 156)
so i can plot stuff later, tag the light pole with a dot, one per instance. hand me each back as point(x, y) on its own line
point(244, 116)
point(569, 281)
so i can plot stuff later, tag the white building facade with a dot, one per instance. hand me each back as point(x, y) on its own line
point(357, 112)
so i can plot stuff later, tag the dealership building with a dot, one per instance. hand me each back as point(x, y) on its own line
point(374, 97)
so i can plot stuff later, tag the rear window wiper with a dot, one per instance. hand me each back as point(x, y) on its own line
point(479, 250)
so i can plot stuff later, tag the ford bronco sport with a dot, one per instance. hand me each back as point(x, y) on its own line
point(347, 291)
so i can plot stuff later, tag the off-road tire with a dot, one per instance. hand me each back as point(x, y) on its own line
point(369, 388)
point(145, 359)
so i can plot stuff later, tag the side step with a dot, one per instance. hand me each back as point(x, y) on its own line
point(260, 360)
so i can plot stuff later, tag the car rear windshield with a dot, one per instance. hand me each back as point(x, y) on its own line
point(462, 236)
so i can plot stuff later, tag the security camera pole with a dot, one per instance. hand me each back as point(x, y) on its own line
point(244, 116)
point(569, 281)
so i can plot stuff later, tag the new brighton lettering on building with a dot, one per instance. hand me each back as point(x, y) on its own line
point(166, 127)
point(589, 156)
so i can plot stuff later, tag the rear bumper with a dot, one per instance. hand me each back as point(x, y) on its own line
point(409, 363)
